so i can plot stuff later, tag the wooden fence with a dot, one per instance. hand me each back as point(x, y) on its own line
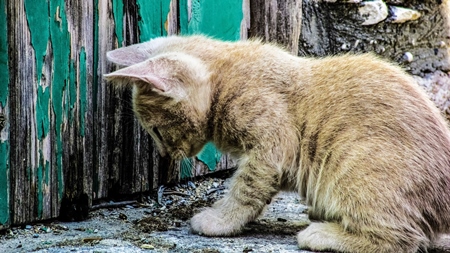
point(67, 138)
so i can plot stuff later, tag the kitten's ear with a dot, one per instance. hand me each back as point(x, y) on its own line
point(141, 72)
point(127, 56)
point(156, 74)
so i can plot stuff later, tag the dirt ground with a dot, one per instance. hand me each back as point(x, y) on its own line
point(159, 222)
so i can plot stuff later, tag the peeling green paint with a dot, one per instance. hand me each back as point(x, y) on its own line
point(42, 112)
point(118, 19)
point(48, 23)
point(4, 143)
point(209, 155)
point(4, 74)
point(60, 38)
point(38, 23)
point(4, 181)
point(153, 16)
point(82, 87)
point(219, 19)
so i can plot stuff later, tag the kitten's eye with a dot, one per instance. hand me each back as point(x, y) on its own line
point(157, 133)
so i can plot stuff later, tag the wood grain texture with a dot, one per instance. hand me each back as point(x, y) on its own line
point(70, 138)
point(4, 119)
point(22, 120)
point(278, 21)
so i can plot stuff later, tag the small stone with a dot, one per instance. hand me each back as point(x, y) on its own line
point(92, 239)
point(35, 235)
point(281, 220)
point(191, 185)
point(61, 227)
point(147, 246)
point(373, 12)
point(247, 249)
point(122, 216)
point(345, 46)
point(95, 230)
point(46, 229)
point(408, 57)
point(402, 15)
point(28, 227)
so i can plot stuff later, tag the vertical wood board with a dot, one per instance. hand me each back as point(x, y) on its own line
point(51, 100)
point(4, 115)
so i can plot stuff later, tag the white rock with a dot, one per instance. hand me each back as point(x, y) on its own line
point(408, 57)
point(401, 15)
point(373, 12)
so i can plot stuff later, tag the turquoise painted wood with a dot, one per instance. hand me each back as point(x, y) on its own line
point(218, 19)
point(67, 138)
point(4, 133)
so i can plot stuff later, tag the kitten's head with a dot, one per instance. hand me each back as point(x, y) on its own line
point(171, 95)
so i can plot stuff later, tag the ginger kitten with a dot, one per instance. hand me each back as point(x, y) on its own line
point(355, 136)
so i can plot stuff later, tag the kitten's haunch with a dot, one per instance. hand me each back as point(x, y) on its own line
point(355, 136)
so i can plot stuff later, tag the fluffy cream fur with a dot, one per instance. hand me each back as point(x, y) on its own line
point(352, 134)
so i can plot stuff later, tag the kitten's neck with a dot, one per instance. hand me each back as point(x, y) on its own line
point(245, 86)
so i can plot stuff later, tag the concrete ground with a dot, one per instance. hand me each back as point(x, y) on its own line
point(161, 224)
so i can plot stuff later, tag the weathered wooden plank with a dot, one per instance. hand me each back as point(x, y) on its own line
point(22, 120)
point(51, 122)
point(63, 94)
point(277, 20)
point(4, 116)
point(77, 137)
point(106, 41)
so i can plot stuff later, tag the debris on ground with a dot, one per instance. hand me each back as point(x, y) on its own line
point(159, 222)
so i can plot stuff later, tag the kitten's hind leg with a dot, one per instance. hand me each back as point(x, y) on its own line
point(252, 188)
point(332, 237)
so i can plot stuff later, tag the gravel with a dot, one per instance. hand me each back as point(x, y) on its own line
point(160, 223)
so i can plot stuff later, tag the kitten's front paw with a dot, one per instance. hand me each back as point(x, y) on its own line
point(211, 222)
